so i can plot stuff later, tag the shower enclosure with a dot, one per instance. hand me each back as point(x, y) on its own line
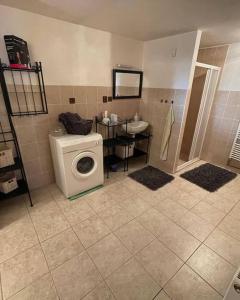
point(201, 99)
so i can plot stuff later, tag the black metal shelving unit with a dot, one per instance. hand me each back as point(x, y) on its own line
point(113, 140)
point(24, 95)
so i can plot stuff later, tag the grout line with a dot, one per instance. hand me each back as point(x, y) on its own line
point(49, 270)
point(112, 231)
point(85, 250)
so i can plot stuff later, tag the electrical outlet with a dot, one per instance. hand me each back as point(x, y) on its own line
point(71, 100)
point(104, 98)
point(109, 98)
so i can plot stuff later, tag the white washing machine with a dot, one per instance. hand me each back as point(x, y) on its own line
point(78, 162)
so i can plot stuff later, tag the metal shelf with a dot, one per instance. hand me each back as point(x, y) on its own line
point(8, 136)
point(22, 189)
point(28, 98)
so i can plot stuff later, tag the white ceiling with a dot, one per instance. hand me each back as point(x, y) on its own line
point(146, 19)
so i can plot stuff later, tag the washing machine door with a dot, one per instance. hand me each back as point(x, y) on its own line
point(84, 164)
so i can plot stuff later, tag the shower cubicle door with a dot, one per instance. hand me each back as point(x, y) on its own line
point(209, 90)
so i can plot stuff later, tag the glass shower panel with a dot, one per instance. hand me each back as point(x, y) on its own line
point(207, 100)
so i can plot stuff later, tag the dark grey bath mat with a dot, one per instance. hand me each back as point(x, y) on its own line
point(209, 177)
point(151, 177)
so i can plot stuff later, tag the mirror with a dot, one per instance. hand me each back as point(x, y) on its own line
point(127, 84)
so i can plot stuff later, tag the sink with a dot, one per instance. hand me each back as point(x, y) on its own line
point(135, 127)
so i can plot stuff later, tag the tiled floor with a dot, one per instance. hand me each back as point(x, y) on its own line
point(121, 242)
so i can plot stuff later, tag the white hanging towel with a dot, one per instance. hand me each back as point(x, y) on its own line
point(167, 133)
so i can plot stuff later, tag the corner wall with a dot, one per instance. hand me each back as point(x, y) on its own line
point(167, 75)
point(225, 113)
point(77, 62)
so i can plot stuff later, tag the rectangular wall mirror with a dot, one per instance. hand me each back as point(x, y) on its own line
point(127, 84)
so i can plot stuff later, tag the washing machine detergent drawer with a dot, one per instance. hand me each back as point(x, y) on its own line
point(83, 170)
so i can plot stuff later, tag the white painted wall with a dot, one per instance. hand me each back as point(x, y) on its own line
point(168, 61)
point(71, 54)
point(230, 79)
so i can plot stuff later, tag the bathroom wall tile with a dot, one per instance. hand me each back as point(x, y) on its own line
point(53, 94)
point(91, 93)
point(101, 91)
point(26, 134)
point(80, 94)
point(29, 151)
point(81, 109)
point(66, 93)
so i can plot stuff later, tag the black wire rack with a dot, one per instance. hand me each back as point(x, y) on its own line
point(9, 138)
point(25, 89)
point(23, 95)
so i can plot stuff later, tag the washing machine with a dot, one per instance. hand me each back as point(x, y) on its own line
point(78, 162)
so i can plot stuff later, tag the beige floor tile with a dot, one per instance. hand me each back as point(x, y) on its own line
point(220, 202)
point(178, 240)
point(225, 246)
point(91, 230)
point(235, 212)
point(100, 200)
point(131, 281)
point(151, 198)
point(175, 238)
point(159, 261)
point(212, 268)
point(134, 236)
point(162, 296)
point(195, 225)
point(231, 226)
point(12, 211)
point(123, 189)
point(229, 194)
point(188, 187)
point(76, 277)
point(171, 209)
point(21, 270)
point(101, 292)
point(108, 254)
point(115, 217)
point(208, 212)
point(132, 186)
point(199, 193)
point(61, 247)
point(135, 205)
point(48, 220)
point(77, 211)
point(153, 220)
point(186, 199)
point(170, 190)
point(187, 285)
point(41, 289)
point(16, 236)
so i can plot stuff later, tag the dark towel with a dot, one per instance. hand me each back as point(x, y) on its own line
point(74, 124)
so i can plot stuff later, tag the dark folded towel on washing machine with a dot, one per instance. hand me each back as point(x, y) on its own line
point(74, 124)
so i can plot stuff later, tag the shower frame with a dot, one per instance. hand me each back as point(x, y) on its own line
point(209, 90)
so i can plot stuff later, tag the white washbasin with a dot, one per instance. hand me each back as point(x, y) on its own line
point(135, 127)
